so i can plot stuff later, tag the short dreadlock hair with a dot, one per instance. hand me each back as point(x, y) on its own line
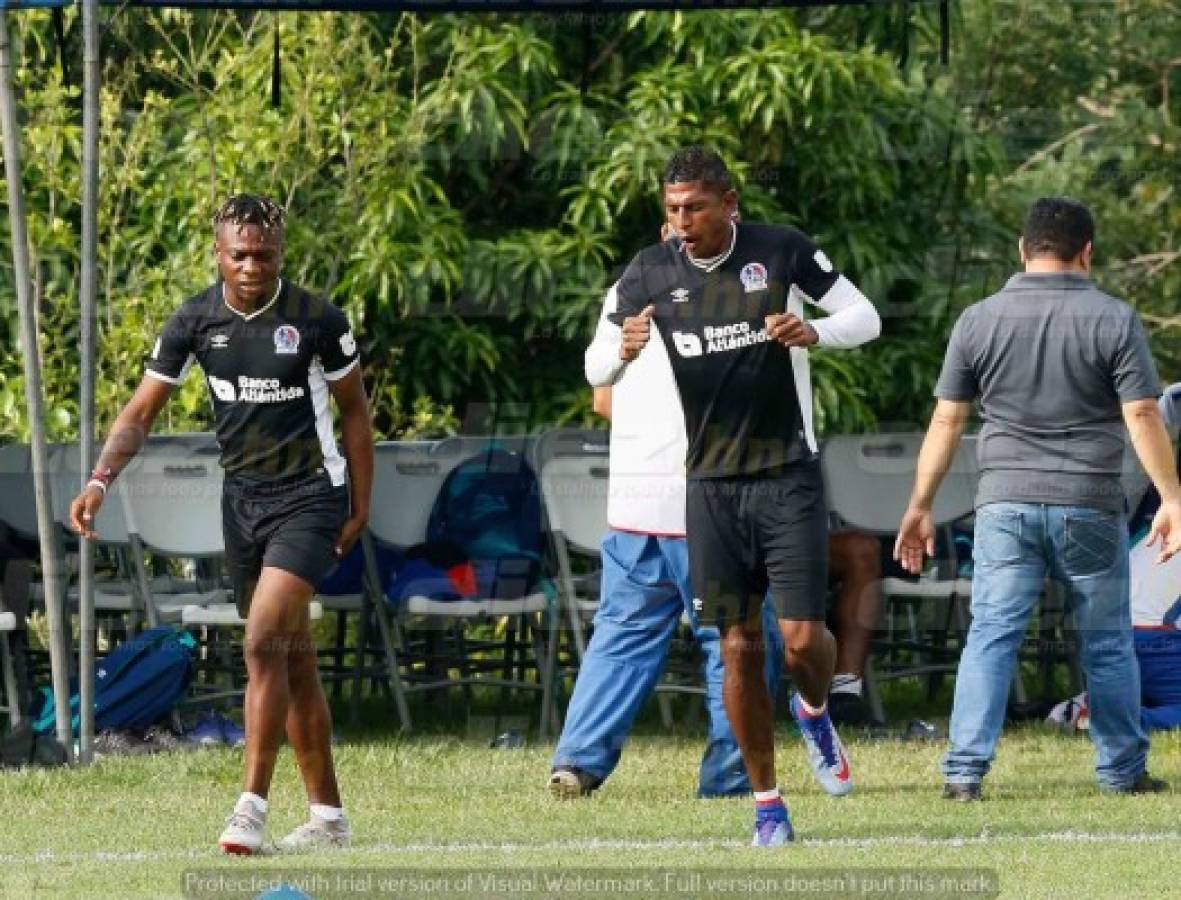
point(251, 209)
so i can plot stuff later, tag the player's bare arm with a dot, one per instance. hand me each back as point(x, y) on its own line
point(127, 435)
point(357, 437)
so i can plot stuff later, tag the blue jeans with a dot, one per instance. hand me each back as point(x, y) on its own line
point(1016, 546)
point(645, 590)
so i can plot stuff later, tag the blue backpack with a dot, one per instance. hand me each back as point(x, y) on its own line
point(136, 685)
point(484, 532)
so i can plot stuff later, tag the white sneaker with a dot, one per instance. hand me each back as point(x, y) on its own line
point(317, 834)
point(244, 829)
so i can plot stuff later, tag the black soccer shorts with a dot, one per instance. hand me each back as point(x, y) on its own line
point(291, 524)
point(752, 533)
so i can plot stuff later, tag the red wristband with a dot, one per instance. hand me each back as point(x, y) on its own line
point(103, 476)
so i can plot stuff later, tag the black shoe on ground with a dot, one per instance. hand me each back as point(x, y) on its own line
point(963, 791)
point(1144, 784)
point(570, 783)
point(849, 710)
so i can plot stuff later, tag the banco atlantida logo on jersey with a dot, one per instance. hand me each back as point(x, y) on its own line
point(253, 390)
point(719, 339)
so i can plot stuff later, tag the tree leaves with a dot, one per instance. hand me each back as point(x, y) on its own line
point(467, 187)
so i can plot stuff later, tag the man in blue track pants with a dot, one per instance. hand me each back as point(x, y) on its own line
point(645, 583)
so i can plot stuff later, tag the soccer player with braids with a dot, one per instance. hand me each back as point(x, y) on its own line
point(272, 354)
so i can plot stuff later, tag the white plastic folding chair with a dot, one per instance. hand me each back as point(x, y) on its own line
point(572, 466)
point(407, 479)
point(18, 508)
point(18, 513)
point(868, 481)
point(11, 691)
point(574, 472)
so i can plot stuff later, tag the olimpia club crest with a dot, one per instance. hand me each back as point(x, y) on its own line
point(754, 277)
point(286, 339)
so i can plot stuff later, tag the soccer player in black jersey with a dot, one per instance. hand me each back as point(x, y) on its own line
point(272, 355)
point(728, 303)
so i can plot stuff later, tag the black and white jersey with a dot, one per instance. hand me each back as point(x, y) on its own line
point(747, 400)
point(268, 375)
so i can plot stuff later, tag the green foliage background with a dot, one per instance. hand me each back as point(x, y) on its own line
point(466, 187)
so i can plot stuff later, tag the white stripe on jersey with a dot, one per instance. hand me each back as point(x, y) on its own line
point(341, 373)
point(802, 372)
point(184, 372)
point(333, 462)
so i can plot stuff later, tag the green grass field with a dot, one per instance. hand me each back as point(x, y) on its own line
point(132, 827)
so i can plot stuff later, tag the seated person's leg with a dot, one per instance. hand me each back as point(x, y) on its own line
point(855, 564)
point(1158, 651)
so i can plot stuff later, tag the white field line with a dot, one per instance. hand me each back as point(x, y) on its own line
point(204, 854)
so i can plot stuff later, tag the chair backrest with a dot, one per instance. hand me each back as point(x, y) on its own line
point(868, 480)
point(407, 476)
point(18, 505)
point(574, 475)
point(171, 495)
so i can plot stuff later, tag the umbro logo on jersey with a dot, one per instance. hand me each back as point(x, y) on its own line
point(219, 342)
point(753, 277)
point(286, 339)
point(680, 295)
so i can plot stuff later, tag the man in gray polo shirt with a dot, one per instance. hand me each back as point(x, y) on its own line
point(1058, 368)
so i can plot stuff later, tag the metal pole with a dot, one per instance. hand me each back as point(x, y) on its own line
point(51, 566)
point(87, 300)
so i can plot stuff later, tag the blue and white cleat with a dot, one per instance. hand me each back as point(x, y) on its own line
point(830, 763)
point(774, 829)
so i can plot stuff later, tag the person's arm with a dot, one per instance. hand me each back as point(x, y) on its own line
point(1137, 385)
point(602, 362)
point(127, 435)
point(633, 311)
point(336, 349)
point(171, 358)
point(851, 321)
point(601, 402)
point(357, 437)
point(916, 533)
point(1151, 442)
